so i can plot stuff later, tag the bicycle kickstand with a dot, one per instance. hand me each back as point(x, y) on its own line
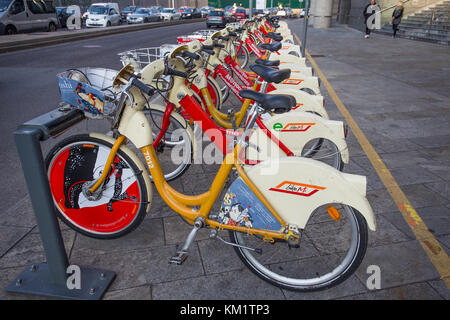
point(182, 254)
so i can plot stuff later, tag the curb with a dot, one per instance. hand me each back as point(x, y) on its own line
point(42, 42)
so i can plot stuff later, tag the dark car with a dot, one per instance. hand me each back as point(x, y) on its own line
point(216, 18)
point(239, 13)
point(128, 10)
point(62, 14)
point(191, 13)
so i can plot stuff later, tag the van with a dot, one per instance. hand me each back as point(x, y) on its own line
point(102, 15)
point(27, 15)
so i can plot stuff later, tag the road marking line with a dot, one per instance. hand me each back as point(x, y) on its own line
point(431, 246)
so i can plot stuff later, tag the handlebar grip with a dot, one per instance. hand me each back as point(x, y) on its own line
point(204, 46)
point(142, 86)
point(176, 73)
point(233, 34)
point(208, 51)
point(190, 55)
point(218, 45)
point(223, 38)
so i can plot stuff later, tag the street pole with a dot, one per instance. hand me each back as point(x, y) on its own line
point(250, 8)
point(305, 27)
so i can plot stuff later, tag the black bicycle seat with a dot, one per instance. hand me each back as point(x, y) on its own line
point(277, 103)
point(270, 74)
point(270, 46)
point(268, 63)
point(274, 36)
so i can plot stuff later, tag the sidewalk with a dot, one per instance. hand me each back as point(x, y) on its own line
point(397, 91)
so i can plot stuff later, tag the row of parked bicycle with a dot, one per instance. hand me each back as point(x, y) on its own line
point(293, 216)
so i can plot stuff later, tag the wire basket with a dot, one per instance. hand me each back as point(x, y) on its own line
point(142, 57)
point(90, 90)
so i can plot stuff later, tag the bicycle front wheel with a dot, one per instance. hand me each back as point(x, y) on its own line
point(120, 204)
point(329, 252)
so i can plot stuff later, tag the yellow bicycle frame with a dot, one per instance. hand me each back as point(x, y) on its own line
point(184, 204)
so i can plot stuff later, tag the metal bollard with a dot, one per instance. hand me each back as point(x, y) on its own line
point(50, 279)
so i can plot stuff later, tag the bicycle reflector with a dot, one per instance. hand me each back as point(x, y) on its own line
point(334, 213)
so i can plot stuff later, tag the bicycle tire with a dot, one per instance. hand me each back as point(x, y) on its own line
point(78, 159)
point(350, 262)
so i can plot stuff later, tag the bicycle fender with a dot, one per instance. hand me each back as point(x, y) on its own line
point(295, 187)
point(288, 58)
point(298, 70)
point(136, 128)
point(295, 129)
point(305, 101)
point(136, 160)
point(296, 82)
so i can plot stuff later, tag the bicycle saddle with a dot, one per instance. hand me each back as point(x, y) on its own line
point(277, 102)
point(268, 63)
point(270, 74)
point(274, 36)
point(270, 46)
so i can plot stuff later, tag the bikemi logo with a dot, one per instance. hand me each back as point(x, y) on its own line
point(292, 81)
point(296, 188)
point(293, 127)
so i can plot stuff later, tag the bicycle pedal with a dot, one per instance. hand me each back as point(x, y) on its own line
point(179, 257)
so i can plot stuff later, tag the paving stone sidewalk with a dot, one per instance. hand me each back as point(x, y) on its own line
point(398, 92)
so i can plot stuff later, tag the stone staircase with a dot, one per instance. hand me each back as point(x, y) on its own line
point(431, 24)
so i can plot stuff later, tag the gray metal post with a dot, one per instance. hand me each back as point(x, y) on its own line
point(28, 146)
point(305, 28)
point(50, 278)
point(250, 15)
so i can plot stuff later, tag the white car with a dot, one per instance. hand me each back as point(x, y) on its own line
point(281, 13)
point(102, 16)
point(169, 14)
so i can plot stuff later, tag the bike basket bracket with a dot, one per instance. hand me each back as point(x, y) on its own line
point(52, 278)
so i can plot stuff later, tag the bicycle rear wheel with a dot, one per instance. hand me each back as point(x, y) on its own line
point(329, 252)
point(119, 207)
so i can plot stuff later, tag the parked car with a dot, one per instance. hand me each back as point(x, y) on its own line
point(290, 13)
point(228, 10)
point(239, 13)
point(169, 14)
point(103, 15)
point(62, 14)
point(142, 15)
point(282, 13)
point(255, 12)
point(216, 18)
point(27, 15)
point(205, 11)
point(272, 11)
point(191, 13)
point(126, 11)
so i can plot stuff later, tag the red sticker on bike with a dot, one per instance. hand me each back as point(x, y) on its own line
point(296, 188)
point(297, 127)
point(292, 81)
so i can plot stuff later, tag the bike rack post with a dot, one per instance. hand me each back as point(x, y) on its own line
point(305, 28)
point(50, 279)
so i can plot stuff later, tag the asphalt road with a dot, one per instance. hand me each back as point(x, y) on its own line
point(28, 87)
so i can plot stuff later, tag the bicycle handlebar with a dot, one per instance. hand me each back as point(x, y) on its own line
point(142, 86)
